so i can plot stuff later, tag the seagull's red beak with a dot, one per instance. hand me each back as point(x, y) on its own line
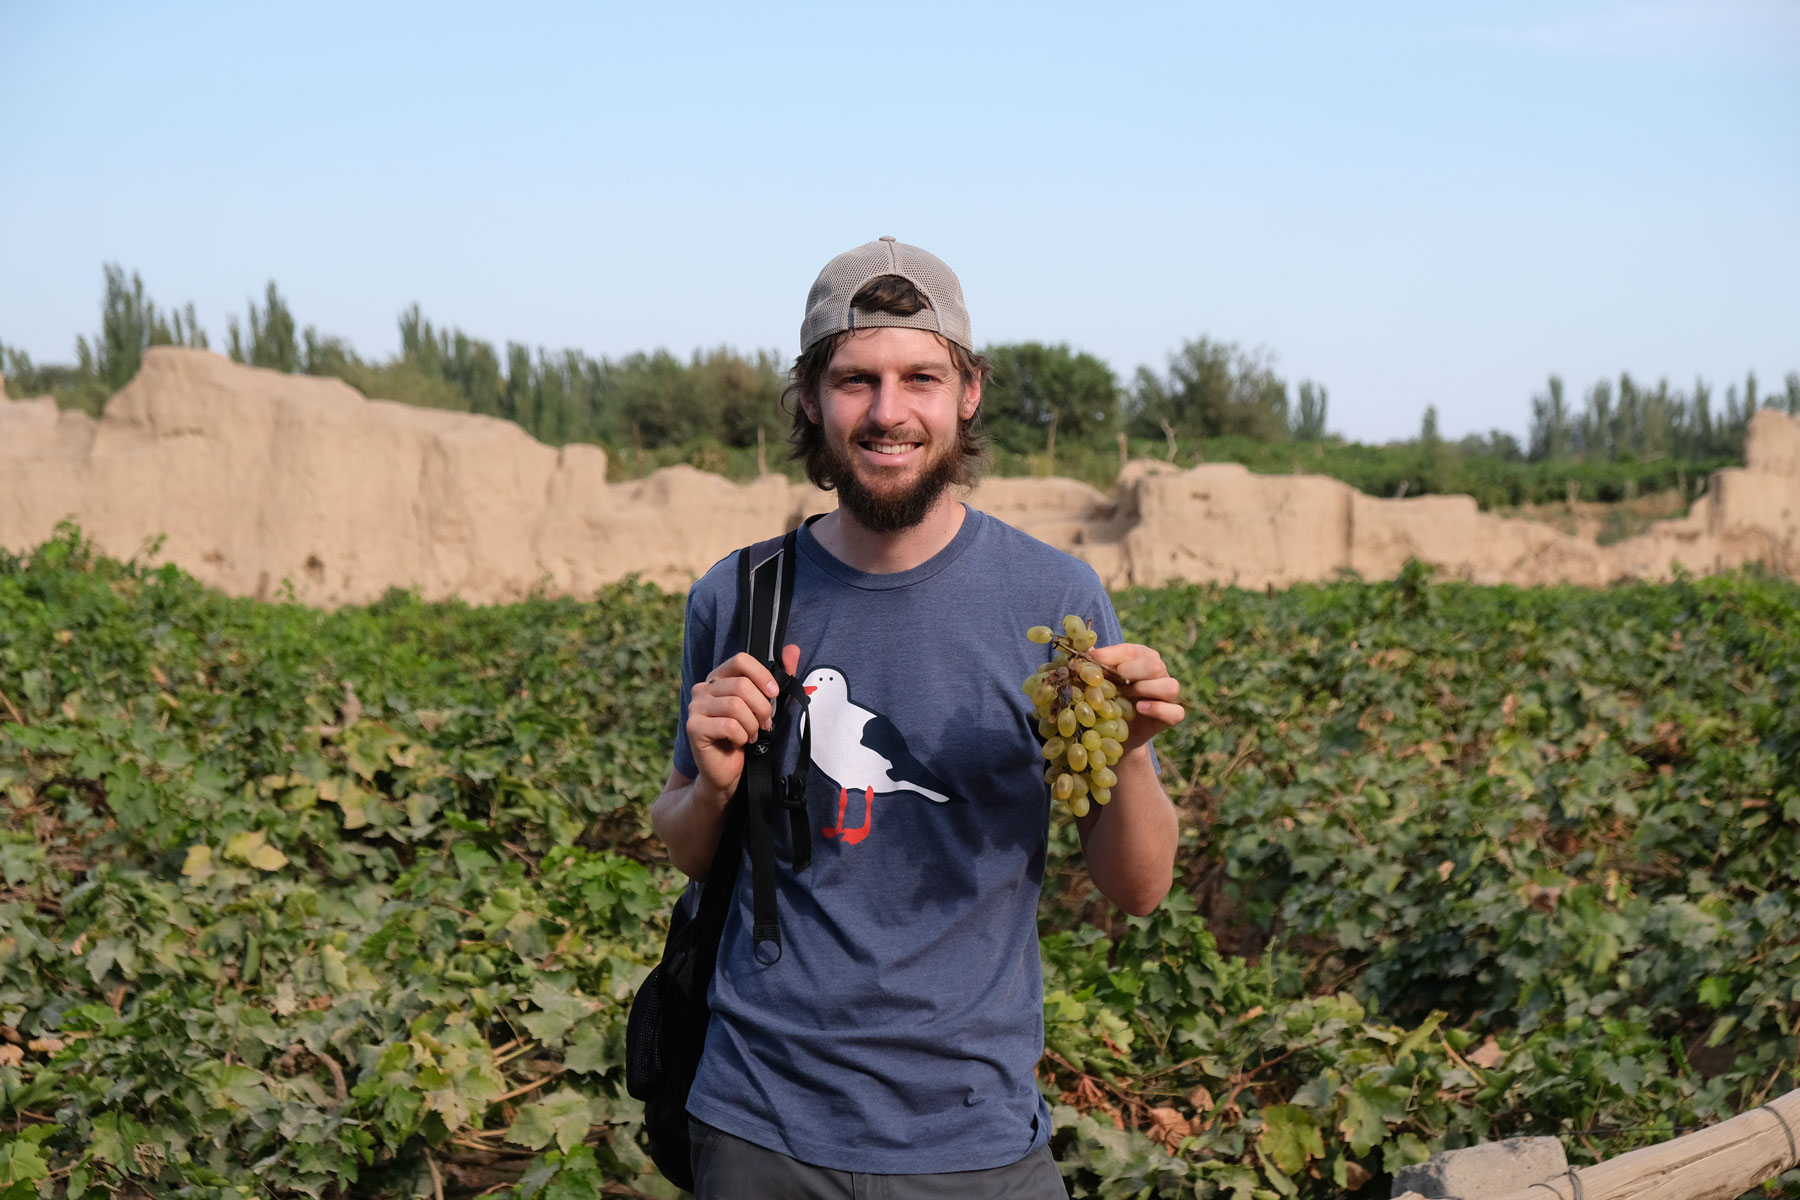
point(809, 690)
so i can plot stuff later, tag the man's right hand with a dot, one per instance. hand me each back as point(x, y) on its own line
point(726, 712)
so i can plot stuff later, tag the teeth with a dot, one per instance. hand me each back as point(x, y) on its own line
point(890, 447)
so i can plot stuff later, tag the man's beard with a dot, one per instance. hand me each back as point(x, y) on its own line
point(891, 512)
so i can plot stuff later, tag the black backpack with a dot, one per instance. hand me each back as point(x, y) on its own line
point(667, 1028)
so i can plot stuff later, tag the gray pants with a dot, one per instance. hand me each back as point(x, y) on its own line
point(729, 1168)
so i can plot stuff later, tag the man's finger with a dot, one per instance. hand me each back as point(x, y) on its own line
point(1163, 687)
point(1162, 712)
point(717, 730)
point(735, 688)
point(1131, 663)
point(729, 708)
point(745, 666)
point(790, 659)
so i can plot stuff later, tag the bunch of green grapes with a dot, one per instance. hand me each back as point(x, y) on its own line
point(1081, 716)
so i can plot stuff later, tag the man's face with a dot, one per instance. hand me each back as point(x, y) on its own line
point(891, 404)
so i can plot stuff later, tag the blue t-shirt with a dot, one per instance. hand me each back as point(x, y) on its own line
point(900, 1030)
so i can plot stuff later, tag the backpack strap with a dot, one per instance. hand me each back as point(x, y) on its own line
point(765, 594)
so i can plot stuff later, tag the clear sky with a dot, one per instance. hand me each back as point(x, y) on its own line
point(1412, 203)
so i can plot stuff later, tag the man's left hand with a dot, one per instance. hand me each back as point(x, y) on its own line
point(1143, 680)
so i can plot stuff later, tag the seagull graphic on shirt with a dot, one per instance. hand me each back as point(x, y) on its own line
point(862, 751)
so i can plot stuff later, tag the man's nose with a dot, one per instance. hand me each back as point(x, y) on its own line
point(886, 406)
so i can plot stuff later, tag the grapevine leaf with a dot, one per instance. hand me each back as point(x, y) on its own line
point(333, 963)
point(21, 1163)
point(199, 863)
point(558, 1010)
point(1716, 992)
point(1291, 1136)
point(253, 849)
point(591, 1052)
point(1362, 1125)
point(561, 1117)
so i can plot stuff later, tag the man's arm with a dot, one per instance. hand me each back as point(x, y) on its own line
point(1130, 842)
point(688, 817)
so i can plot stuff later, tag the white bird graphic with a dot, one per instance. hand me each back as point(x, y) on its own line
point(862, 751)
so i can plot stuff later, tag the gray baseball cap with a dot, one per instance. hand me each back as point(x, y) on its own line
point(828, 304)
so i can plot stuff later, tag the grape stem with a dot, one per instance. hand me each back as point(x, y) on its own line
point(1067, 646)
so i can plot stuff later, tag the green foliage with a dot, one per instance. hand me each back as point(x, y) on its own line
point(307, 902)
point(1035, 388)
point(1212, 389)
point(1551, 834)
point(1642, 423)
point(129, 322)
point(1309, 414)
point(271, 341)
point(313, 891)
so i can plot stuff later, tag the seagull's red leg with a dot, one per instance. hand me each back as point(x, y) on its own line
point(853, 836)
point(832, 831)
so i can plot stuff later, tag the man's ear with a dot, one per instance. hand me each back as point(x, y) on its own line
point(971, 398)
point(809, 404)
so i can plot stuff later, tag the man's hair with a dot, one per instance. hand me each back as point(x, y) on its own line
point(806, 440)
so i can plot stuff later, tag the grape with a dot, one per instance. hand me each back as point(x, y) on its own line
point(1081, 717)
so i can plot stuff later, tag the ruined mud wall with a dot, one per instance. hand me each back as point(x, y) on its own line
point(254, 477)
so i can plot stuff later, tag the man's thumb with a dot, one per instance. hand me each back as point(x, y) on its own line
point(790, 659)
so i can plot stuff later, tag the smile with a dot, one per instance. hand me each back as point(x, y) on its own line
point(890, 447)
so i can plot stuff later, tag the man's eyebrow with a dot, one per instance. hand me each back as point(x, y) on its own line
point(938, 366)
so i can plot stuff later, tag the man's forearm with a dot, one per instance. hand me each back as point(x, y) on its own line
point(688, 817)
point(1130, 842)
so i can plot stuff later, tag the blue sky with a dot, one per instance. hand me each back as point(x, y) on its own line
point(1412, 203)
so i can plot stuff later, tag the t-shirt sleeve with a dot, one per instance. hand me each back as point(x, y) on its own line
point(699, 650)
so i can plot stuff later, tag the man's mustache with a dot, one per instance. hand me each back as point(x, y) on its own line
point(889, 435)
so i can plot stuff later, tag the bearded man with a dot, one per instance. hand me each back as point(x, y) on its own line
point(890, 1049)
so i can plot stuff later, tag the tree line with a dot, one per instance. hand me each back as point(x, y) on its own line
point(1043, 403)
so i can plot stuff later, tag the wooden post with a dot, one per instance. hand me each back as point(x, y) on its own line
point(1720, 1163)
point(1169, 432)
point(1050, 447)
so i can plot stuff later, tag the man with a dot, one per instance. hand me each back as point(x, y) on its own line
point(890, 1049)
